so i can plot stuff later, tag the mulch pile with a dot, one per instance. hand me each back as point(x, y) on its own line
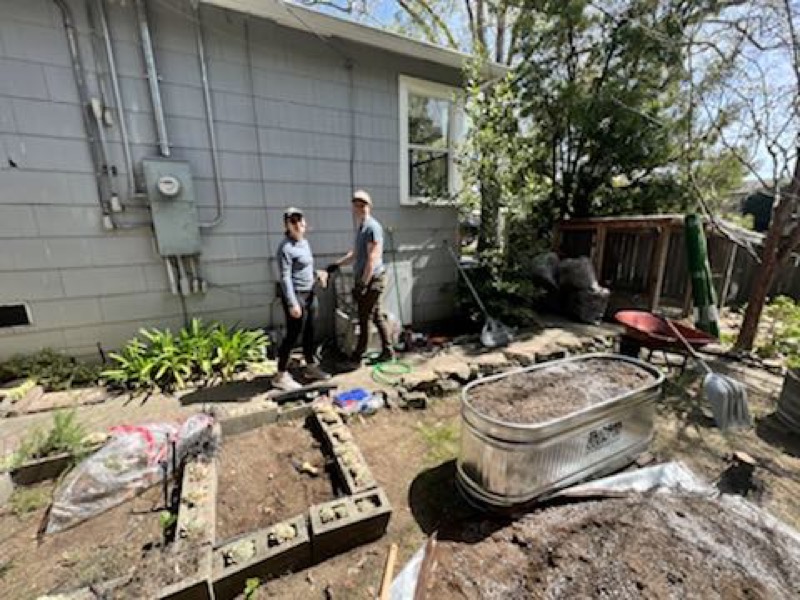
point(655, 546)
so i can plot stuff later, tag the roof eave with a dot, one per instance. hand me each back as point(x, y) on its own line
point(312, 21)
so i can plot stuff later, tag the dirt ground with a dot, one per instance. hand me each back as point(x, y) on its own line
point(556, 391)
point(258, 480)
point(106, 547)
point(640, 547)
point(411, 456)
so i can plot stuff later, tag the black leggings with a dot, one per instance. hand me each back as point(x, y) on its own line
point(293, 328)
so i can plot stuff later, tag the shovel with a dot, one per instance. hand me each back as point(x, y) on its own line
point(494, 333)
point(728, 397)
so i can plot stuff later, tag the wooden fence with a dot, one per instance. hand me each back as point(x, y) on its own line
point(643, 261)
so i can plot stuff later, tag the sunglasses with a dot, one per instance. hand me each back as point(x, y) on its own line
point(295, 218)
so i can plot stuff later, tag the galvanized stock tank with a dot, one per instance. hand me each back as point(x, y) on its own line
point(503, 464)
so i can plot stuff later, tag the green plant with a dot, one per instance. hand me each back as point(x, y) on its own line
point(65, 435)
point(167, 519)
point(441, 439)
point(250, 587)
point(159, 359)
point(783, 336)
point(25, 500)
point(50, 369)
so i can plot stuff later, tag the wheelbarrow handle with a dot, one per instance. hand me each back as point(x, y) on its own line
point(687, 345)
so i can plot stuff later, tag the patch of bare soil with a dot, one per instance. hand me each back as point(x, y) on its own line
point(109, 546)
point(259, 481)
point(642, 547)
point(556, 391)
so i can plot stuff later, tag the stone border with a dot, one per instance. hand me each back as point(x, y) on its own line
point(351, 521)
point(273, 556)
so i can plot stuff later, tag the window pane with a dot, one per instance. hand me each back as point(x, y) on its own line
point(428, 174)
point(427, 121)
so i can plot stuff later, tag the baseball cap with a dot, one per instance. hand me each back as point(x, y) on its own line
point(292, 211)
point(362, 196)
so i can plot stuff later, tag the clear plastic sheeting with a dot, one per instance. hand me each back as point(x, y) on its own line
point(135, 458)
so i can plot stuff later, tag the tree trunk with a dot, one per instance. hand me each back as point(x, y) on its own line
point(781, 215)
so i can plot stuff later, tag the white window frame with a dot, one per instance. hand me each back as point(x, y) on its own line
point(411, 85)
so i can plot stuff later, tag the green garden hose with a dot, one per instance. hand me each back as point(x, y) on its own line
point(390, 372)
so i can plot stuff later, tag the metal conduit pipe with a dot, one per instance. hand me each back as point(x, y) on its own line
point(115, 90)
point(212, 138)
point(152, 77)
point(85, 101)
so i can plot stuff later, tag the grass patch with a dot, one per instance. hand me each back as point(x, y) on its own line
point(441, 439)
point(25, 500)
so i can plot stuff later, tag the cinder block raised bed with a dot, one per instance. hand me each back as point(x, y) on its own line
point(244, 421)
point(196, 529)
point(266, 554)
point(353, 468)
point(296, 409)
point(342, 524)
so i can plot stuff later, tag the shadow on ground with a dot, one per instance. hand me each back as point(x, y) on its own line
point(438, 506)
point(772, 430)
point(234, 391)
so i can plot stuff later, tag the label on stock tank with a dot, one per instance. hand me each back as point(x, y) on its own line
point(603, 436)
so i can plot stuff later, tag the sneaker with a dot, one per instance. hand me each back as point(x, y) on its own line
point(314, 372)
point(285, 382)
point(386, 356)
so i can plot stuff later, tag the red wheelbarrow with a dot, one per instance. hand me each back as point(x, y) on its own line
point(651, 332)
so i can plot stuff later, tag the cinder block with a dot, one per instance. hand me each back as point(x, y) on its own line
point(130, 249)
point(61, 84)
point(55, 154)
point(342, 524)
point(353, 468)
point(79, 221)
point(271, 558)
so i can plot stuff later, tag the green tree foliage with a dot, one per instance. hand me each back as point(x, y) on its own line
point(602, 84)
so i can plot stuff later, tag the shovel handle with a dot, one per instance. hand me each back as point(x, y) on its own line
point(692, 352)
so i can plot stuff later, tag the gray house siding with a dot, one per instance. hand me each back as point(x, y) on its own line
point(284, 125)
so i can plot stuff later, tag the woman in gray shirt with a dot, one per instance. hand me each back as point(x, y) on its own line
point(296, 266)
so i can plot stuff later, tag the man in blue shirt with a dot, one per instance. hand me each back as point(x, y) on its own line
point(370, 276)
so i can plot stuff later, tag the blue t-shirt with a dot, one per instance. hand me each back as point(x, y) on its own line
point(296, 265)
point(369, 231)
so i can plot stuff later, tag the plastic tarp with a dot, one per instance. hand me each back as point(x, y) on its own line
point(135, 458)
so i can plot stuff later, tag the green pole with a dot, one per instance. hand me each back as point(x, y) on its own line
point(705, 301)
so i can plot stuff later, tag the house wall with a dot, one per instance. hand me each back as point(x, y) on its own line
point(284, 130)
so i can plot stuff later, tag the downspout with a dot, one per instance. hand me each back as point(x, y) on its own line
point(85, 101)
point(152, 77)
point(112, 71)
point(212, 138)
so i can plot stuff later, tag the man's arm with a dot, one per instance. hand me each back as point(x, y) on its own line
point(344, 260)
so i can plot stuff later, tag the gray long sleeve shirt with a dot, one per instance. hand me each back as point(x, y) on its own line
point(296, 265)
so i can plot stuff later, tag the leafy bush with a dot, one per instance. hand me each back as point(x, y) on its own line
point(50, 369)
point(159, 359)
point(65, 435)
point(783, 336)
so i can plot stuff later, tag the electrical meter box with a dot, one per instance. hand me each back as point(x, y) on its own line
point(172, 202)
